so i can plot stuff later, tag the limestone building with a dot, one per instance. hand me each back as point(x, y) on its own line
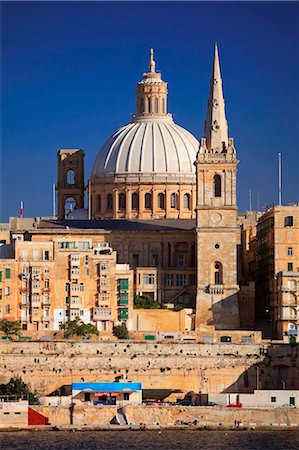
point(277, 270)
point(162, 201)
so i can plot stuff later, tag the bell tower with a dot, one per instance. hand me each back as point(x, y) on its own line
point(216, 217)
point(70, 181)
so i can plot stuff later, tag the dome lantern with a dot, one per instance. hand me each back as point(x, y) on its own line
point(151, 94)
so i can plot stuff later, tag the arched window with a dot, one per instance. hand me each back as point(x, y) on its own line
point(163, 105)
point(161, 200)
point(69, 205)
point(173, 201)
point(99, 203)
point(109, 201)
point(122, 201)
point(148, 201)
point(217, 185)
point(218, 273)
point(149, 109)
point(70, 177)
point(186, 201)
point(135, 201)
point(156, 105)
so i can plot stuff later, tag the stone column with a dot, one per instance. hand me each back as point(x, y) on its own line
point(154, 203)
point(128, 203)
point(115, 203)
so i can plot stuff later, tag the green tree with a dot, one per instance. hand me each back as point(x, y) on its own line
point(145, 302)
point(17, 387)
point(9, 327)
point(77, 327)
point(121, 331)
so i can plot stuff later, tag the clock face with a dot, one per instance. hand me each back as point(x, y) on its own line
point(215, 218)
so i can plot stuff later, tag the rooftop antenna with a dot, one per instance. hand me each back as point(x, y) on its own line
point(54, 199)
point(279, 179)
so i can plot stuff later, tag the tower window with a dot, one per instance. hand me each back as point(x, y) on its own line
point(141, 106)
point(217, 185)
point(288, 221)
point(109, 201)
point(148, 201)
point(218, 273)
point(99, 206)
point(149, 109)
point(122, 201)
point(156, 105)
point(173, 201)
point(135, 201)
point(186, 201)
point(161, 200)
point(69, 205)
point(70, 177)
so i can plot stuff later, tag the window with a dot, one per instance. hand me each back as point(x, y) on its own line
point(273, 399)
point(161, 200)
point(122, 201)
point(163, 105)
point(99, 206)
point(173, 201)
point(290, 251)
point(7, 290)
point(169, 279)
point(70, 177)
point(46, 255)
point(135, 201)
point(155, 260)
point(288, 221)
point(126, 394)
point(180, 279)
point(148, 201)
point(156, 105)
point(7, 309)
point(69, 205)
point(218, 275)
point(0, 294)
point(7, 273)
point(135, 260)
point(86, 259)
point(186, 201)
point(217, 185)
point(192, 279)
point(149, 278)
point(141, 105)
point(46, 284)
point(103, 267)
point(35, 285)
point(149, 105)
point(290, 267)
point(109, 202)
point(181, 260)
point(81, 287)
point(0, 275)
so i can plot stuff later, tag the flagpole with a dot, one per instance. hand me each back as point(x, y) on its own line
point(279, 179)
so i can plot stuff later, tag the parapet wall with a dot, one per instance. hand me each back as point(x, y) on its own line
point(207, 368)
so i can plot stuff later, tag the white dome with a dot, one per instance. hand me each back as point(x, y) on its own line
point(148, 146)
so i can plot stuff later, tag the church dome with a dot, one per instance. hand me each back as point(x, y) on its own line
point(148, 146)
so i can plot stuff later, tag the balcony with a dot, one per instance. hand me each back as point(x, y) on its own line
point(74, 261)
point(24, 302)
point(74, 273)
point(74, 302)
point(216, 289)
point(103, 313)
point(35, 303)
point(123, 301)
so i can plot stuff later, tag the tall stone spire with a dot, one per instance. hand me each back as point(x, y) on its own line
point(216, 131)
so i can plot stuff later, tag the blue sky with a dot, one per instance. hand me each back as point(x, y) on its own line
point(69, 71)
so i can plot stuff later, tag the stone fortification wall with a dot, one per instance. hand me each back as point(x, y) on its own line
point(169, 415)
point(46, 366)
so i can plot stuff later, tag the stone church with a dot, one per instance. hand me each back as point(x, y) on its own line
point(167, 199)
